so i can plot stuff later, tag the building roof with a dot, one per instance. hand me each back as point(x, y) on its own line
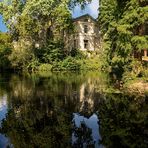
point(83, 16)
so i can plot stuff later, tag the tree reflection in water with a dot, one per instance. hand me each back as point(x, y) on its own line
point(124, 120)
point(40, 110)
point(85, 131)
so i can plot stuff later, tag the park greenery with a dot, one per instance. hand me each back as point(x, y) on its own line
point(41, 99)
point(125, 34)
point(36, 30)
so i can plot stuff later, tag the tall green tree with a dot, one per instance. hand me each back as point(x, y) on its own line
point(37, 19)
point(124, 30)
point(35, 24)
point(33, 19)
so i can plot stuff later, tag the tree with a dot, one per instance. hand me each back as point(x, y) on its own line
point(123, 24)
point(35, 24)
point(5, 50)
point(33, 19)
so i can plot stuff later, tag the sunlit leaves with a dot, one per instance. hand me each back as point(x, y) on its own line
point(140, 42)
point(125, 27)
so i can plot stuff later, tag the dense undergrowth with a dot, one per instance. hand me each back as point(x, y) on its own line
point(51, 57)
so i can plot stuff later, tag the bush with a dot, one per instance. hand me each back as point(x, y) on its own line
point(4, 61)
point(69, 63)
point(133, 70)
point(90, 64)
point(53, 52)
point(33, 64)
point(77, 54)
point(145, 73)
point(45, 67)
point(21, 55)
point(5, 50)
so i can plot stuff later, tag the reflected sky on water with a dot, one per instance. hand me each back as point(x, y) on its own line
point(70, 110)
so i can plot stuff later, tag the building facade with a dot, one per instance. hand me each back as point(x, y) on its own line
point(86, 34)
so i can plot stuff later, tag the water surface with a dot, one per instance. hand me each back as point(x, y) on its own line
point(70, 110)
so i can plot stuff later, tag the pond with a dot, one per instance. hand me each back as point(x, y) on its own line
point(64, 110)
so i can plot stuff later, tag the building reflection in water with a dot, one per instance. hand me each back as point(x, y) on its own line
point(85, 124)
point(45, 106)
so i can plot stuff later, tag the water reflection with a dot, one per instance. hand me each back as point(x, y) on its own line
point(69, 110)
point(86, 131)
point(3, 107)
point(4, 141)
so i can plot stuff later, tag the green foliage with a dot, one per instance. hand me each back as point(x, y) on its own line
point(36, 19)
point(38, 30)
point(54, 52)
point(124, 30)
point(133, 70)
point(77, 53)
point(75, 63)
point(32, 65)
point(45, 67)
point(5, 51)
point(140, 42)
point(21, 55)
point(69, 63)
point(145, 73)
point(121, 116)
point(90, 64)
point(36, 22)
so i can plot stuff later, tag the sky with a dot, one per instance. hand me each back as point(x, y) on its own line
point(91, 9)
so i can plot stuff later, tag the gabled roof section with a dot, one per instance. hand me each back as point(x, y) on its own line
point(84, 16)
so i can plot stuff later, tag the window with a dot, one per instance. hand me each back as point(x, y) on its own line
point(86, 44)
point(85, 28)
point(75, 44)
point(85, 20)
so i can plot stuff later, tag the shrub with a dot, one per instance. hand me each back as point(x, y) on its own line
point(51, 53)
point(45, 67)
point(133, 70)
point(33, 64)
point(21, 55)
point(90, 64)
point(145, 74)
point(69, 63)
point(5, 50)
point(4, 61)
point(77, 54)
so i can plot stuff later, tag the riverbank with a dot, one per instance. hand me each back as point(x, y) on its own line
point(137, 86)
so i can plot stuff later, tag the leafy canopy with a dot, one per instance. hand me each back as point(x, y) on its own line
point(124, 30)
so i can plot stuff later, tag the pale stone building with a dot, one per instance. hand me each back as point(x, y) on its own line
point(86, 34)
